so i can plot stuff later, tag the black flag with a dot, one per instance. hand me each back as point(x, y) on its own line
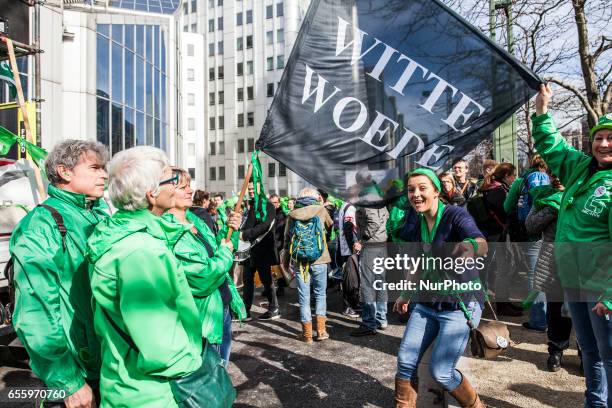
point(374, 88)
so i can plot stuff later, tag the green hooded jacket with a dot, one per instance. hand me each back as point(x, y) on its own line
point(397, 213)
point(137, 280)
point(52, 315)
point(205, 275)
point(584, 215)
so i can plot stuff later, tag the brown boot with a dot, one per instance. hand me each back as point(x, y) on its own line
point(321, 330)
point(466, 395)
point(306, 335)
point(405, 393)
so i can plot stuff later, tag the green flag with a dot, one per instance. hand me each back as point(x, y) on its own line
point(260, 194)
point(6, 74)
point(7, 140)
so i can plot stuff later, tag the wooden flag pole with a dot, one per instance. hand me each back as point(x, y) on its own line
point(24, 113)
point(230, 231)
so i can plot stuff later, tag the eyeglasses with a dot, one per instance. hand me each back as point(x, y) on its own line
point(172, 180)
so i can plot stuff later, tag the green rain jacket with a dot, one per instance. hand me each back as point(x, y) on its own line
point(205, 275)
point(584, 216)
point(52, 315)
point(137, 280)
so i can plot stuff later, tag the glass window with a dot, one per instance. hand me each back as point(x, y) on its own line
point(211, 74)
point(194, 6)
point(129, 128)
point(221, 173)
point(164, 101)
point(240, 96)
point(220, 72)
point(220, 23)
point(211, 98)
point(221, 122)
point(211, 123)
point(249, 16)
point(140, 85)
point(191, 171)
point(211, 150)
point(194, 27)
point(249, 41)
point(186, 28)
point(239, 69)
point(103, 29)
point(140, 39)
point(249, 67)
point(271, 170)
point(269, 37)
point(190, 50)
point(240, 146)
point(129, 36)
point(149, 43)
point(269, 11)
point(157, 133)
point(102, 121)
point(191, 149)
point(221, 97)
point(249, 93)
point(191, 99)
point(240, 124)
point(279, 10)
point(190, 74)
point(213, 173)
point(190, 124)
point(222, 147)
point(155, 56)
point(280, 61)
point(241, 171)
point(280, 35)
point(219, 2)
point(270, 89)
point(116, 128)
point(129, 78)
point(211, 49)
point(220, 47)
point(103, 59)
point(117, 33)
point(163, 52)
point(157, 93)
point(211, 25)
point(185, 8)
point(239, 19)
point(117, 73)
point(282, 170)
point(140, 128)
point(211, 3)
point(251, 144)
point(250, 122)
point(270, 63)
point(239, 44)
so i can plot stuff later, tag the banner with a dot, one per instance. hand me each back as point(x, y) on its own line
point(7, 75)
point(8, 139)
point(374, 88)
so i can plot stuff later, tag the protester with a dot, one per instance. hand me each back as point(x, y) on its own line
point(144, 313)
point(279, 237)
point(585, 216)
point(347, 226)
point(206, 261)
point(291, 203)
point(304, 232)
point(450, 193)
point(259, 231)
point(218, 200)
point(201, 204)
point(488, 166)
point(441, 319)
point(465, 186)
point(52, 315)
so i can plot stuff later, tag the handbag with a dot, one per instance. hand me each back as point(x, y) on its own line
point(208, 386)
point(490, 338)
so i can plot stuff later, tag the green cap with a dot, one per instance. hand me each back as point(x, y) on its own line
point(428, 173)
point(605, 122)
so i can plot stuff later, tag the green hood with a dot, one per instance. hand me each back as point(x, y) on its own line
point(124, 223)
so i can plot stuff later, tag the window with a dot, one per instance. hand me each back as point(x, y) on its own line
point(270, 90)
point(194, 6)
point(220, 72)
point(241, 171)
point(211, 150)
point(186, 28)
point(185, 8)
point(211, 25)
point(251, 144)
point(250, 122)
point(190, 99)
point(240, 69)
point(220, 47)
point(191, 171)
point(250, 93)
point(280, 35)
point(240, 145)
point(211, 3)
point(191, 149)
point(211, 74)
point(271, 170)
point(221, 97)
point(213, 173)
point(280, 61)
point(219, 2)
point(270, 63)
point(240, 94)
point(190, 74)
point(269, 37)
point(249, 67)
point(211, 49)
point(269, 11)
point(190, 50)
point(239, 44)
point(239, 19)
point(221, 122)
point(240, 124)
point(191, 124)
point(194, 27)
point(221, 173)
point(211, 98)
point(279, 10)
point(249, 41)
point(211, 123)
point(220, 23)
point(222, 147)
point(282, 170)
point(249, 16)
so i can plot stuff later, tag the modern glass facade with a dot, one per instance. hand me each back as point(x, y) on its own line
point(131, 82)
point(152, 6)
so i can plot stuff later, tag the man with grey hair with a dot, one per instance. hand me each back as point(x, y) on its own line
point(52, 316)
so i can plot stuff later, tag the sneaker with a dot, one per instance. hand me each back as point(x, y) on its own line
point(270, 315)
point(348, 312)
point(554, 361)
point(362, 331)
point(382, 326)
point(530, 327)
point(247, 319)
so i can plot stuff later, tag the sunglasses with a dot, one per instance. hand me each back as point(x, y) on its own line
point(172, 180)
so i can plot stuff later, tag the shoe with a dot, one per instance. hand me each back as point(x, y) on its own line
point(270, 315)
point(382, 326)
point(306, 335)
point(508, 309)
point(348, 312)
point(321, 330)
point(528, 326)
point(280, 292)
point(554, 361)
point(362, 331)
point(405, 393)
point(248, 318)
point(466, 395)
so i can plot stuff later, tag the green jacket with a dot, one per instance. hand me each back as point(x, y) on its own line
point(52, 315)
point(137, 280)
point(395, 222)
point(205, 275)
point(584, 216)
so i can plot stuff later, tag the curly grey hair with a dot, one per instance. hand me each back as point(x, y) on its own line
point(134, 172)
point(69, 153)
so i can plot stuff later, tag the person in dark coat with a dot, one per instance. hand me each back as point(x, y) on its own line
point(279, 238)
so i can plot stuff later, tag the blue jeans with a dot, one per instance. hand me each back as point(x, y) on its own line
point(374, 314)
point(594, 334)
point(318, 277)
point(224, 349)
point(449, 332)
point(537, 313)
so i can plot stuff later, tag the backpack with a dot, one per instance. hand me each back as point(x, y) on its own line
point(524, 203)
point(350, 281)
point(307, 240)
point(9, 269)
point(485, 219)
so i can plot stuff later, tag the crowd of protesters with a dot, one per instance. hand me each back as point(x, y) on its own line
point(118, 307)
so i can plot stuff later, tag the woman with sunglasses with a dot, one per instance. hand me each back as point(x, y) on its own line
point(441, 318)
point(206, 260)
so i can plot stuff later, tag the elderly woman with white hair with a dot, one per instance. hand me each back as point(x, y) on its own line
point(144, 313)
point(305, 243)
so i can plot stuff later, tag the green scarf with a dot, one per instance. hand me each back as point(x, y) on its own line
point(260, 195)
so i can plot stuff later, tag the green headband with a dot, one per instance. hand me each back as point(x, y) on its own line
point(428, 173)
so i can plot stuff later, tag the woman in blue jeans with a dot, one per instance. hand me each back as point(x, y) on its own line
point(309, 207)
point(440, 318)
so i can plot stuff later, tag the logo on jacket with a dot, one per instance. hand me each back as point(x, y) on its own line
point(596, 204)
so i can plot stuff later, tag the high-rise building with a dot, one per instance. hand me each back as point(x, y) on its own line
point(233, 55)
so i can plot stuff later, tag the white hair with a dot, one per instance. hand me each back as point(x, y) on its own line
point(309, 192)
point(134, 172)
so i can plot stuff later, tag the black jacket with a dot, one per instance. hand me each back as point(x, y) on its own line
point(264, 252)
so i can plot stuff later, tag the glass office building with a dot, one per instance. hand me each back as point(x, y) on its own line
point(151, 6)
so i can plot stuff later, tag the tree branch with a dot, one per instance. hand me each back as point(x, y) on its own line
point(603, 47)
point(578, 94)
